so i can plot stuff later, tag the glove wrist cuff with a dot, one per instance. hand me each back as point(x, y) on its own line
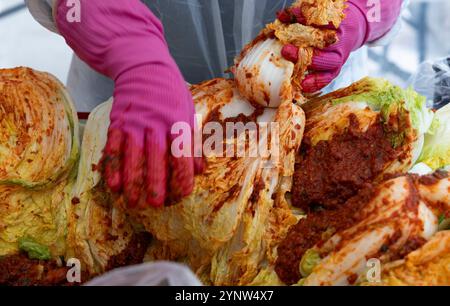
point(358, 18)
point(378, 20)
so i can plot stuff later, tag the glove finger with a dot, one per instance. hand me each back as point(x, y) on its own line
point(181, 178)
point(290, 53)
point(112, 160)
point(316, 81)
point(181, 181)
point(156, 168)
point(133, 172)
point(326, 61)
point(199, 162)
point(298, 15)
point(199, 165)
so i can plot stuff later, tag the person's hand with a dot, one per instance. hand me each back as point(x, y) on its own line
point(356, 29)
point(123, 40)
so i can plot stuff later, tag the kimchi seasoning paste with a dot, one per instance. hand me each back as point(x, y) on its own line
point(331, 172)
point(332, 182)
point(19, 270)
point(317, 227)
point(133, 254)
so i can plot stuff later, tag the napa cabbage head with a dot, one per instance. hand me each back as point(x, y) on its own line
point(39, 149)
point(390, 100)
point(436, 150)
point(39, 129)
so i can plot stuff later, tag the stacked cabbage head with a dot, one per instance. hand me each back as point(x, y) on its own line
point(38, 152)
point(48, 208)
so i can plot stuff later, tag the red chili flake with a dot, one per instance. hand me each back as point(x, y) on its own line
point(75, 201)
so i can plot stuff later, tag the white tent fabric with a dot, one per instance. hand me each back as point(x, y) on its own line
point(213, 31)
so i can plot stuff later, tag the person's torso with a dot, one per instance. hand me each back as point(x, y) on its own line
point(204, 36)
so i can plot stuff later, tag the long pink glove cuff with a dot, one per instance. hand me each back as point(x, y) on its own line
point(107, 32)
point(379, 20)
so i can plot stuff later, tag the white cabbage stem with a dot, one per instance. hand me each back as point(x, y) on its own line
point(263, 76)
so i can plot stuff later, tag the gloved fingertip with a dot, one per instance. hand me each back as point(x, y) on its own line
point(111, 164)
point(199, 165)
point(297, 12)
point(309, 85)
point(182, 177)
point(317, 81)
point(133, 170)
point(133, 195)
point(156, 188)
point(155, 199)
point(156, 168)
point(115, 142)
point(290, 53)
point(188, 179)
point(329, 26)
point(285, 16)
point(113, 179)
point(188, 188)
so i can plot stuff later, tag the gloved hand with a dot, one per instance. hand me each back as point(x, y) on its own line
point(123, 40)
point(356, 30)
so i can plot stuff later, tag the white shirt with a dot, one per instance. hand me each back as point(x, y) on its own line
point(42, 11)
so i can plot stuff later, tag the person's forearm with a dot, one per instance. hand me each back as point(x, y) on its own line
point(380, 15)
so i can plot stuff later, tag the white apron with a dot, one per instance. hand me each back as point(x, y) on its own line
point(204, 36)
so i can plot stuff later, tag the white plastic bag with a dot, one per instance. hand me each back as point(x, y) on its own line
point(148, 274)
point(433, 81)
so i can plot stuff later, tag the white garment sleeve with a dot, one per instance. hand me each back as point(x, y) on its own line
point(387, 39)
point(42, 11)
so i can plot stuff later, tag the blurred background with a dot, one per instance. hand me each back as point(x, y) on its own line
point(24, 42)
point(425, 35)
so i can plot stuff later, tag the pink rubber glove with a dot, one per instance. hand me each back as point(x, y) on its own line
point(123, 40)
point(354, 32)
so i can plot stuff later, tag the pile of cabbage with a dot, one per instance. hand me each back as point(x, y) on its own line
point(401, 207)
point(47, 211)
point(233, 228)
point(229, 230)
point(39, 151)
point(54, 203)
